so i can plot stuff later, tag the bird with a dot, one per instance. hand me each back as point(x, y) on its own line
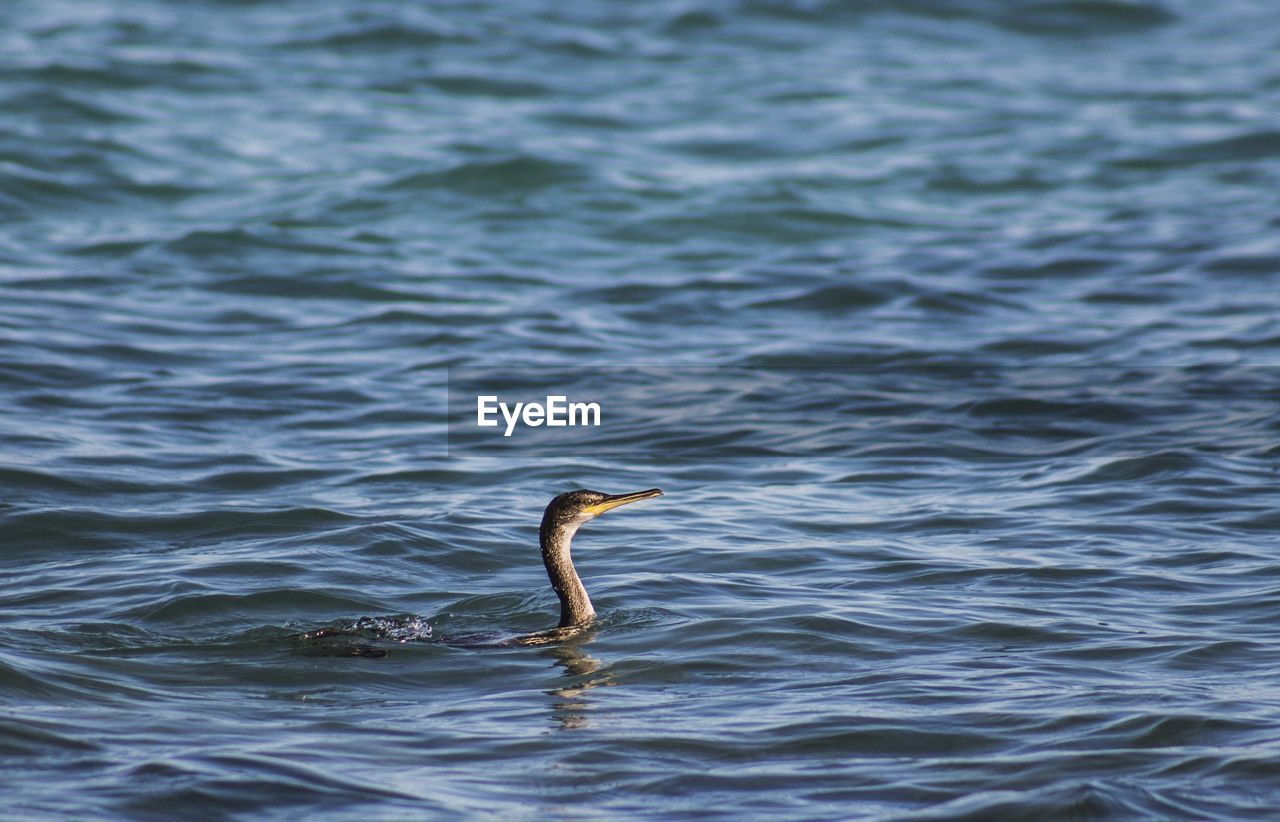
point(564, 515)
point(561, 520)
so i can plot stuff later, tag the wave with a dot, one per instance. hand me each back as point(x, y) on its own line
point(375, 35)
point(1050, 18)
point(505, 176)
point(1248, 147)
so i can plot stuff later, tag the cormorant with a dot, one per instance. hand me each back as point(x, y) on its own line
point(564, 515)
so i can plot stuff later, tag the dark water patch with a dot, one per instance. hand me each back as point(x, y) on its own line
point(28, 738)
point(722, 150)
point(1242, 148)
point(1261, 265)
point(831, 298)
point(1028, 408)
point(1178, 731)
point(577, 118)
point(1046, 346)
point(376, 36)
point(1239, 343)
point(692, 21)
point(93, 75)
point(1069, 18)
point(1005, 634)
point(502, 177)
point(24, 480)
point(26, 191)
point(490, 86)
point(966, 303)
point(63, 282)
point(314, 288)
point(157, 193)
point(18, 683)
point(1125, 297)
point(642, 293)
point(140, 355)
point(51, 400)
point(57, 108)
point(1146, 466)
point(785, 224)
point(582, 44)
point(1212, 557)
point(1264, 521)
point(957, 181)
point(236, 242)
point(868, 737)
point(1180, 508)
point(1082, 18)
point(114, 249)
point(403, 316)
point(1054, 268)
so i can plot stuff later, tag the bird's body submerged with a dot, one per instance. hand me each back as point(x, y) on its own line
point(561, 520)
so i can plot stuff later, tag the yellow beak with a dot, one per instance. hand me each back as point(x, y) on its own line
point(614, 500)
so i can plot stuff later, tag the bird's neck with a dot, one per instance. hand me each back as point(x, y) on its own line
point(575, 605)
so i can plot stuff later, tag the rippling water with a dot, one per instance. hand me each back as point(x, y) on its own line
point(958, 321)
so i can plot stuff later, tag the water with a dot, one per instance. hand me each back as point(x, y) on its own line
point(958, 321)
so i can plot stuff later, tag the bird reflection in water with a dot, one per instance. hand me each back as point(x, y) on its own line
point(570, 708)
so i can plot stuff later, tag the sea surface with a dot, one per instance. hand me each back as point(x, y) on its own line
point(950, 329)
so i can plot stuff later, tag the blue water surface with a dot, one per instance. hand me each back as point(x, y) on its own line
point(953, 331)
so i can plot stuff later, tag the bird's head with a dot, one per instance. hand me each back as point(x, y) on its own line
point(576, 507)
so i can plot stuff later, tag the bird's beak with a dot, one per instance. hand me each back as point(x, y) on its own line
point(614, 500)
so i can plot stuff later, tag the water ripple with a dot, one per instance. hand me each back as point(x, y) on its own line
point(954, 328)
